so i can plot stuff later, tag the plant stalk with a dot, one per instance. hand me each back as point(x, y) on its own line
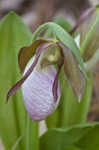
point(32, 134)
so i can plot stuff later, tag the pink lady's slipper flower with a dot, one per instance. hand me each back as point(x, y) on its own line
point(40, 85)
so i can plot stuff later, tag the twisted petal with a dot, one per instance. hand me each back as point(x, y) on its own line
point(55, 83)
point(30, 69)
point(27, 53)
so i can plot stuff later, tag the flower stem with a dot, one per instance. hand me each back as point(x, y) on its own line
point(32, 137)
point(51, 121)
point(27, 133)
point(68, 107)
point(35, 136)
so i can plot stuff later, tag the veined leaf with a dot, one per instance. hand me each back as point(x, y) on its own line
point(71, 148)
point(84, 137)
point(13, 36)
point(63, 23)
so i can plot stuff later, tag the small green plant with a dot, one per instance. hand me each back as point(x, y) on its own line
point(56, 81)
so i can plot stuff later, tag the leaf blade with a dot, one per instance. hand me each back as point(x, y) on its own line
point(13, 36)
point(78, 136)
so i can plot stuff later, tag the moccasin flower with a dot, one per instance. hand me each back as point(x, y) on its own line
point(40, 85)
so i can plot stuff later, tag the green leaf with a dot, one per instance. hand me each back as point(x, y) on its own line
point(68, 41)
point(52, 120)
point(65, 38)
point(13, 36)
point(63, 23)
point(71, 148)
point(84, 137)
point(91, 140)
